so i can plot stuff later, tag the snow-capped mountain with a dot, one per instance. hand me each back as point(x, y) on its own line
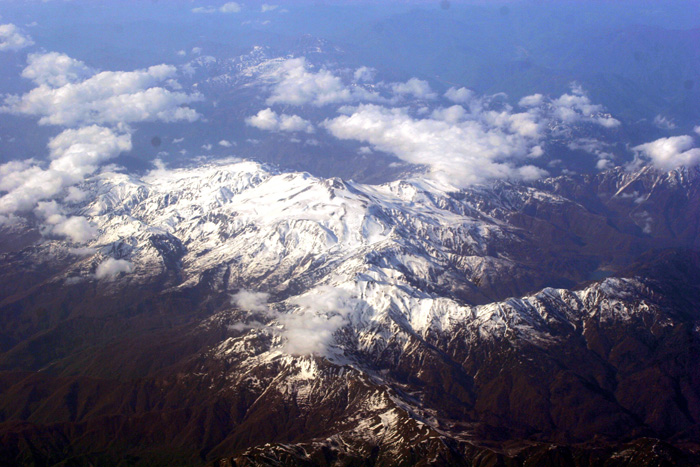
point(399, 322)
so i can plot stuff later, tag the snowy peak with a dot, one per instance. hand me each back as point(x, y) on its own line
point(402, 314)
point(408, 258)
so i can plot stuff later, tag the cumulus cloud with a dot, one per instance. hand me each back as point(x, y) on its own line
point(112, 267)
point(670, 153)
point(293, 83)
point(266, 7)
point(458, 150)
point(55, 70)
point(74, 155)
point(577, 107)
point(460, 96)
point(604, 164)
point(69, 93)
point(252, 301)
point(570, 108)
point(230, 7)
point(63, 97)
point(595, 147)
point(478, 139)
point(365, 74)
point(269, 120)
point(76, 228)
point(320, 313)
point(536, 152)
point(249, 300)
point(225, 143)
point(80, 151)
point(664, 123)
point(75, 195)
point(532, 101)
point(450, 114)
point(309, 325)
point(12, 38)
point(414, 87)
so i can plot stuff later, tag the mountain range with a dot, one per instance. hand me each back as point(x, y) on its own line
point(231, 313)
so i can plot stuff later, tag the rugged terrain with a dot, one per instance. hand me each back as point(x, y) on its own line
point(233, 314)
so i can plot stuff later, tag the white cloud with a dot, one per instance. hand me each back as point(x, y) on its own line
point(365, 74)
point(664, 122)
point(266, 7)
point(249, 300)
point(8, 180)
point(308, 328)
point(531, 101)
point(201, 9)
point(604, 164)
point(69, 93)
point(77, 228)
point(49, 210)
point(452, 114)
point(269, 120)
point(536, 152)
point(294, 84)
point(74, 153)
point(595, 147)
point(460, 96)
point(105, 98)
point(181, 53)
point(670, 153)
point(320, 314)
point(414, 87)
point(309, 334)
point(697, 129)
point(55, 70)
point(12, 38)
point(606, 121)
point(79, 152)
point(75, 195)
point(225, 144)
point(460, 152)
point(576, 107)
point(112, 267)
point(570, 108)
point(230, 7)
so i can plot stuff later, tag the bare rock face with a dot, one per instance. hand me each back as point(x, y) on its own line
point(267, 318)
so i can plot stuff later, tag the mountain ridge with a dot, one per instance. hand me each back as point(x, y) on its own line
point(261, 312)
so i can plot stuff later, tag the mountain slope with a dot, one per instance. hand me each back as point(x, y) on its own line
point(231, 311)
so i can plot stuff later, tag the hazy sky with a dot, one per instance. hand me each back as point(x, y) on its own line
point(470, 91)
